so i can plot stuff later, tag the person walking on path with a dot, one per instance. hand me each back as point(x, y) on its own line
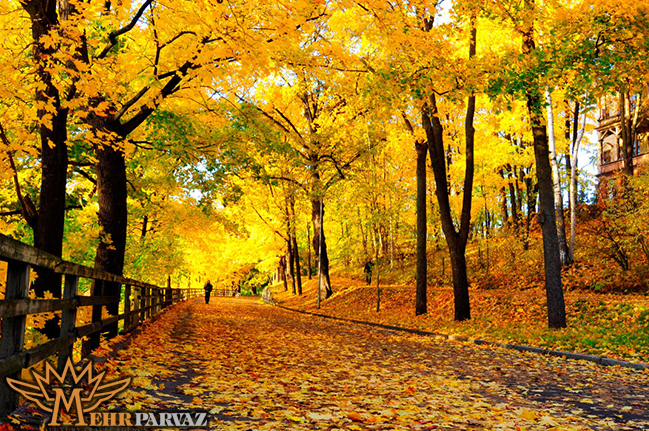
point(208, 290)
point(368, 271)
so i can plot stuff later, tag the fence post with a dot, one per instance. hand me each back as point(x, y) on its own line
point(13, 331)
point(149, 302)
point(136, 300)
point(127, 306)
point(95, 339)
point(68, 318)
point(157, 299)
point(142, 304)
point(168, 292)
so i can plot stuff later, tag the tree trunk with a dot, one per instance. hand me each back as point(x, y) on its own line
point(360, 227)
point(290, 258)
point(112, 215)
point(281, 269)
point(48, 225)
point(574, 151)
point(296, 251)
point(460, 280)
point(564, 255)
point(391, 231)
point(420, 300)
point(512, 198)
point(553, 286)
point(317, 218)
point(627, 137)
point(145, 224)
point(530, 187)
point(308, 251)
point(503, 204)
point(456, 240)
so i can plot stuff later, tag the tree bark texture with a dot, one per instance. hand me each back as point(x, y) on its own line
point(48, 226)
point(553, 286)
point(112, 215)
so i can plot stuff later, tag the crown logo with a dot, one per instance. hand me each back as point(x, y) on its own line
point(86, 394)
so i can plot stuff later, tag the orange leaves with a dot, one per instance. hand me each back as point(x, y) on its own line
point(599, 325)
point(255, 366)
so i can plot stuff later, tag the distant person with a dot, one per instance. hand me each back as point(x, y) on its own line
point(368, 271)
point(208, 291)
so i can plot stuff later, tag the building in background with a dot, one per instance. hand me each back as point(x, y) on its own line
point(610, 135)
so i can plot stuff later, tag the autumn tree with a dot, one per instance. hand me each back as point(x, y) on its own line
point(307, 123)
point(529, 87)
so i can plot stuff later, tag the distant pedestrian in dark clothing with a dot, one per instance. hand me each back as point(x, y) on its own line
point(368, 271)
point(208, 291)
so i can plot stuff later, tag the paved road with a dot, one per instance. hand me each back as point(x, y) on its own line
point(258, 367)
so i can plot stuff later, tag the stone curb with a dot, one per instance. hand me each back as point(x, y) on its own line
point(600, 360)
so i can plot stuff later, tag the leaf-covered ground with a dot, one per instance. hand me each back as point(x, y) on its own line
point(257, 367)
point(607, 324)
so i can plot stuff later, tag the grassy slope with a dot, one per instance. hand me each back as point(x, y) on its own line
point(606, 324)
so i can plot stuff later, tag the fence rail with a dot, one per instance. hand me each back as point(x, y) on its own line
point(141, 302)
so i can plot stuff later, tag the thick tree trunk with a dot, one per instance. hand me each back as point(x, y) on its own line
point(460, 280)
point(112, 215)
point(317, 217)
point(456, 240)
point(553, 286)
point(564, 255)
point(49, 223)
point(420, 299)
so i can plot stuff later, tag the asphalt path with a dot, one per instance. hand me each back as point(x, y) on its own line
point(254, 366)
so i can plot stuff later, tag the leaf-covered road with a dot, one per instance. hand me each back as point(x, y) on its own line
point(258, 367)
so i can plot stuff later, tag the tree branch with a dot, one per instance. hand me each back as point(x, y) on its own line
point(86, 175)
point(266, 223)
point(115, 34)
point(130, 103)
point(27, 208)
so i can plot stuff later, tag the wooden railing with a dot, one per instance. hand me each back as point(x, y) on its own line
point(222, 292)
point(141, 301)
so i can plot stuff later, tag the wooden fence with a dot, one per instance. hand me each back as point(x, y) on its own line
point(141, 301)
